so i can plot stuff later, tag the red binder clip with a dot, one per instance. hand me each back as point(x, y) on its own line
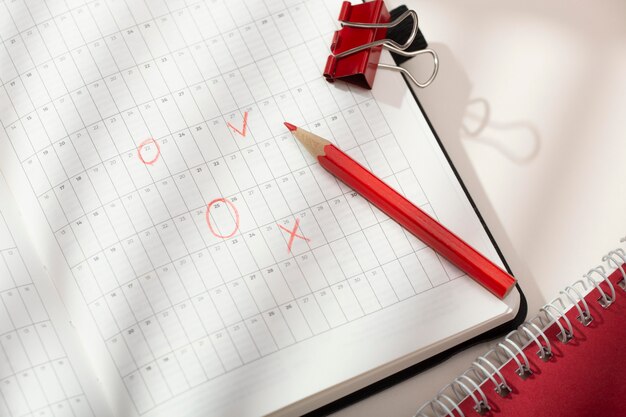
point(356, 47)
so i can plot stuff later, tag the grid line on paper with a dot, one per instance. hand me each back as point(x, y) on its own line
point(187, 300)
point(235, 343)
point(69, 11)
point(202, 208)
point(137, 64)
point(174, 185)
point(29, 343)
point(298, 185)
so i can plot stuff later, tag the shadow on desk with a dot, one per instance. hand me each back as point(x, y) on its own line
point(457, 117)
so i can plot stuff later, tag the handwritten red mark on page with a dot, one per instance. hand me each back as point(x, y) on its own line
point(146, 147)
point(242, 132)
point(293, 234)
point(216, 203)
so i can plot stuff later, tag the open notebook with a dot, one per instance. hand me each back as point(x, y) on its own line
point(167, 248)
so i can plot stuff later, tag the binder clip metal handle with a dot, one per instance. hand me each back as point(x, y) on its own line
point(355, 61)
point(410, 76)
point(387, 43)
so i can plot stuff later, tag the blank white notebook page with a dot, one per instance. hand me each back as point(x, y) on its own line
point(211, 266)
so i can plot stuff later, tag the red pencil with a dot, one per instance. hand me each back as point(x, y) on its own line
point(407, 214)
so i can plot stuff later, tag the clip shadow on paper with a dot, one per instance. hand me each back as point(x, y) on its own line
point(518, 141)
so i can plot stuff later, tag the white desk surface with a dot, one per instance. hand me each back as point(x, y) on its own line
point(530, 103)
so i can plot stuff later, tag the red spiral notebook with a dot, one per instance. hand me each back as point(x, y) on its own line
point(567, 368)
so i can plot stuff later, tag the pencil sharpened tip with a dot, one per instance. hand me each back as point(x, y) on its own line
point(290, 126)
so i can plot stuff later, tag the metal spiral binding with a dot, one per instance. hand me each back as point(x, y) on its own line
point(604, 300)
point(585, 316)
point(511, 348)
point(610, 259)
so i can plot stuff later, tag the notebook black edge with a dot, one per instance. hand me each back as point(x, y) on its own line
point(491, 334)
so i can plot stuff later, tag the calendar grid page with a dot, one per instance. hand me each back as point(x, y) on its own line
point(201, 238)
point(35, 375)
point(39, 370)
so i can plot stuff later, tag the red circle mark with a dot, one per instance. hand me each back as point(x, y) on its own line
point(144, 144)
point(208, 218)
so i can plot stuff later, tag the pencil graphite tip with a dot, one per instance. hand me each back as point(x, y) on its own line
point(290, 126)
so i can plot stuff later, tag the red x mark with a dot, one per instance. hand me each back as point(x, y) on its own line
point(293, 234)
point(245, 125)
